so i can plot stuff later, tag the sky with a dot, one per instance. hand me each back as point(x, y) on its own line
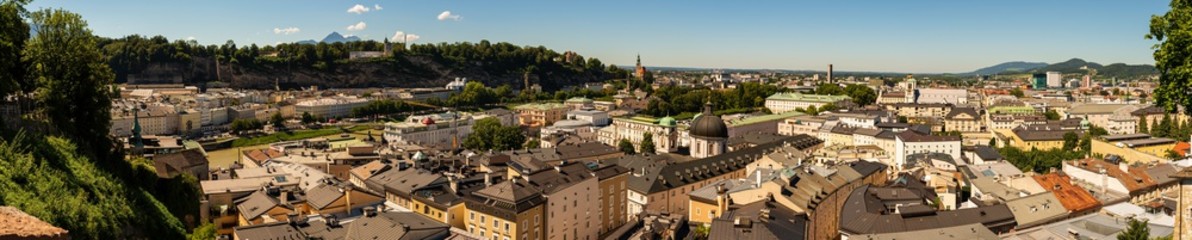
point(888, 36)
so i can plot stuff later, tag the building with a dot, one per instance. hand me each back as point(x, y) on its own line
point(1183, 219)
point(758, 124)
point(374, 225)
point(1115, 118)
point(613, 203)
point(878, 210)
point(785, 102)
point(911, 142)
point(964, 120)
point(330, 107)
point(439, 131)
point(511, 209)
point(1036, 137)
point(1039, 81)
point(1102, 175)
point(1055, 79)
point(760, 220)
point(1134, 148)
point(941, 96)
point(571, 202)
point(1073, 197)
point(661, 130)
point(709, 134)
point(541, 114)
point(190, 161)
point(967, 232)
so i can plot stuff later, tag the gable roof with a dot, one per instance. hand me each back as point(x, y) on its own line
point(258, 203)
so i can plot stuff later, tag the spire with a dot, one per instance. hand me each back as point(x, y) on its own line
point(639, 60)
point(136, 141)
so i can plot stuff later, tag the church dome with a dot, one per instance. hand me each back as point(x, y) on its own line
point(708, 125)
point(667, 121)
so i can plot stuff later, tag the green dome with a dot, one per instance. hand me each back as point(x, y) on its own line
point(667, 121)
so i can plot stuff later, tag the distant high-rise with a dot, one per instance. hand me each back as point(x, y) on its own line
point(1088, 82)
point(1054, 79)
point(829, 72)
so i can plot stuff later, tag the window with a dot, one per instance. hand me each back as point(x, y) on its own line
point(506, 226)
point(496, 223)
point(471, 216)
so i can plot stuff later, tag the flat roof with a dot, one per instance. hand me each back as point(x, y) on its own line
point(1120, 137)
point(1148, 142)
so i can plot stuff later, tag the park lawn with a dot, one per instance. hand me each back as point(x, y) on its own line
point(286, 136)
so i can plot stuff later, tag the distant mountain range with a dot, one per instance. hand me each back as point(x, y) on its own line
point(334, 37)
point(1074, 65)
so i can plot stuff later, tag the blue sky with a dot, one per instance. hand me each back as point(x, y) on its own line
point(897, 36)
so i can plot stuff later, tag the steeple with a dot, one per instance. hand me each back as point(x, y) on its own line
point(639, 60)
point(137, 142)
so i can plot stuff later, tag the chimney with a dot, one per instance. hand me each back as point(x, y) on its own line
point(453, 183)
point(285, 197)
point(829, 72)
point(759, 179)
point(488, 179)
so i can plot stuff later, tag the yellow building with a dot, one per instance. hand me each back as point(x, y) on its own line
point(613, 202)
point(1041, 140)
point(541, 114)
point(1134, 148)
point(708, 203)
point(440, 203)
point(506, 210)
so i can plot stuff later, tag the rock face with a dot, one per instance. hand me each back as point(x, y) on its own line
point(15, 224)
point(401, 71)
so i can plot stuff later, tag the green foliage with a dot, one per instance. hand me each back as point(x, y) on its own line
point(277, 121)
point(1017, 93)
point(489, 134)
point(1172, 55)
point(72, 82)
point(308, 119)
point(1143, 125)
point(473, 94)
point(246, 124)
point(861, 94)
point(535, 143)
point(47, 177)
point(993, 142)
point(203, 232)
point(1135, 230)
point(384, 107)
point(14, 32)
point(286, 136)
point(1051, 115)
point(829, 89)
point(647, 144)
point(1038, 161)
point(1070, 140)
point(626, 146)
point(676, 100)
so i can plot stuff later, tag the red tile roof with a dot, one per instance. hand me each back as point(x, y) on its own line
point(1074, 198)
point(1182, 148)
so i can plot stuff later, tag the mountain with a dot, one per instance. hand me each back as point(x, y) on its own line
point(1076, 65)
point(1072, 66)
point(333, 37)
point(1017, 66)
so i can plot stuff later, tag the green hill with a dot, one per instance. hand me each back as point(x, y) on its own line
point(1119, 70)
point(48, 178)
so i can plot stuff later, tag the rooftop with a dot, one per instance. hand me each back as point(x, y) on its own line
point(1074, 198)
point(789, 96)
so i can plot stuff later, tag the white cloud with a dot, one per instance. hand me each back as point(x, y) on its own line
point(446, 15)
point(286, 31)
point(377, 7)
point(357, 27)
point(358, 9)
point(190, 38)
point(400, 36)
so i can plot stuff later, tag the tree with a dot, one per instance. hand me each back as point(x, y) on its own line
point(14, 32)
point(993, 142)
point(1173, 57)
point(534, 143)
point(73, 83)
point(626, 146)
point(1070, 140)
point(902, 119)
point(829, 89)
point(307, 118)
point(647, 144)
point(203, 232)
point(1135, 230)
point(277, 121)
point(242, 125)
point(861, 94)
point(1142, 125)
point(489, 134)
point(1051, 115)
point(1017, 93)
point(1165, 128)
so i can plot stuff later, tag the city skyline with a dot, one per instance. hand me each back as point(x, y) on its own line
point(917, 37)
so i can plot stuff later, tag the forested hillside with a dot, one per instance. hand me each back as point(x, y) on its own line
point(292, 65)
point(57, 161)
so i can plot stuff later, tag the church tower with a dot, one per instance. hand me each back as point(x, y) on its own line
point(709, 134)
point(639, 71)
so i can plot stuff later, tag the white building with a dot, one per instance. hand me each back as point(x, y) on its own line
point(911, 142)
point(597, 118)
point(785, 102)
point(330, 107)
point(942, 96)
point(442, 131)
point(1054, 80)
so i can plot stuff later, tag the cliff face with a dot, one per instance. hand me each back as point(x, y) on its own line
point(401, 72)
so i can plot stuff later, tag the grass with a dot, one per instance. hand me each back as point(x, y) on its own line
point(287, 136)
